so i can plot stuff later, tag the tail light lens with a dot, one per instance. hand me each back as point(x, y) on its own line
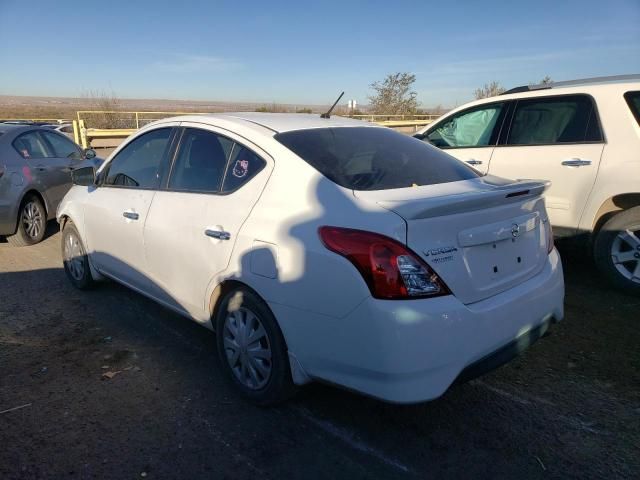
point(549, 231)
point(390, 269)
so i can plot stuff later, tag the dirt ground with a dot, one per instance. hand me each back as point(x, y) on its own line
point(568, 408)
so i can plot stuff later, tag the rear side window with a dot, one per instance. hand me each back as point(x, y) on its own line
point(138, 164)
point(62, 147)
point(31, 145)
point(243, 166)
point(201, 162)
point(633, 100)
point(471, 128)
point(372, 158)
point(549, 121)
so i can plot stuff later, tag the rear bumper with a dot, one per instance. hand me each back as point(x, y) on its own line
point(8, 216)
point(412, 351)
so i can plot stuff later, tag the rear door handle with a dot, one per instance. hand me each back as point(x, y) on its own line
point(474, 162)
point(576, 162)
point(130, 215)
point(220, 235)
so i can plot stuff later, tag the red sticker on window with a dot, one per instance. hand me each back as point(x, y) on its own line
point(241, 168)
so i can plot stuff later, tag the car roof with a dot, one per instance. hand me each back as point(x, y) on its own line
point(616, 85)
point(275, 122)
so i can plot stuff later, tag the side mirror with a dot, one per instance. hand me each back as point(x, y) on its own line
point(85, 176)
point(89, 153)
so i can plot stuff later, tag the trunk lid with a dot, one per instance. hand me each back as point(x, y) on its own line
point(481, 236)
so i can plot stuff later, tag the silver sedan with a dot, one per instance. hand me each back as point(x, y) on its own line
point(35, 173)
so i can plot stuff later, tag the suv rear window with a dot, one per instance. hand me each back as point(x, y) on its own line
point(372, 158)
point(633, 99)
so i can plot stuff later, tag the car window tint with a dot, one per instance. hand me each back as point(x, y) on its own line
point(243, 166)
point(63, 147)
point(470, 128)
point(544, 121)
point(374, 158)
point(31, 145)
point(138, 164)
point(633, 100)
point(201, 161)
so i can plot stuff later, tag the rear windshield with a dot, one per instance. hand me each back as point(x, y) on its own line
point(633, 99)
point(366, 158)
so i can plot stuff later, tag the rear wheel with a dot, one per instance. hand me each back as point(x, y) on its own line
point(252, 349)
point(32, 222)
point(74, 258)
point(617, 250)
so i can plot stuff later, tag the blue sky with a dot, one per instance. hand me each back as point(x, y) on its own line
point(307, 52)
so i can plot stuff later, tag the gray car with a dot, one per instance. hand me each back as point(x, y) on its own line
point(35, 173)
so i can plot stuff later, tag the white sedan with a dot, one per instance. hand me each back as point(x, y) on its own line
point(320, 249)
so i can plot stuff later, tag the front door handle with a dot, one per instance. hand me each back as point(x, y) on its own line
point(219, 234)
point(576, 162)
point(474, 162)
point(130, 215)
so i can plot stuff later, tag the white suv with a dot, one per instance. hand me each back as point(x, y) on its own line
point(583, 136)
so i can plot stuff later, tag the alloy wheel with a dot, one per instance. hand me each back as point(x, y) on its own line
point(247, 348)
point(74, 256)
point(32, 220)
point(625, 253)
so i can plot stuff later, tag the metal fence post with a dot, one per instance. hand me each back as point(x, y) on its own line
point(83, 134)
point(76, 132)
point(137, 123)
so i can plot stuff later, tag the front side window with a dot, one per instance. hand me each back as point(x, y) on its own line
point(63, 147)
point(373, 158)
point(549, 121)
point(470, 128)
point(633, 100)
point(31, 145)
point(201, 162)
point(138, 164)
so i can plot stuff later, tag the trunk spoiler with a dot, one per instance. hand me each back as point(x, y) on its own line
point(425, 207)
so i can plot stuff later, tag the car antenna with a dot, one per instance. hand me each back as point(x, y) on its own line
point(328, 114)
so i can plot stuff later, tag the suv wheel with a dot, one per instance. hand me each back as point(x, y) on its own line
point(32, 222)
point(252, 349)
point(617, 250)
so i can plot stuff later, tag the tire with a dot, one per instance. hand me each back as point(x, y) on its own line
point(74, 258)
point(617, 250)
point(245, 362)
point(32, 223)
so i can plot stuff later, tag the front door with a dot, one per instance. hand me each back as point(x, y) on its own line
point(116, 210)
point(558, 139)
point(469, 135)
point(194, 222)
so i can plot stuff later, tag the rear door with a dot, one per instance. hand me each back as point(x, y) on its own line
point(49, 173)
point(470, 135)
point(558, 139)
point(194, 221)
point(116, 211)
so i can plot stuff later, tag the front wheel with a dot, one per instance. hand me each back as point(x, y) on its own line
point(252, 349)
point(617, 250)
point(74, 258)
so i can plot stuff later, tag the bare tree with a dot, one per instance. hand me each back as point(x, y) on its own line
point(547, 80)
point(394, 95)
point(489, 90)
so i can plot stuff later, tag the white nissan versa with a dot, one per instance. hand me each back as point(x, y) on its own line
point(320, 249)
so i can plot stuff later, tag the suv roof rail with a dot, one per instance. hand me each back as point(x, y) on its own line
point(581, 81)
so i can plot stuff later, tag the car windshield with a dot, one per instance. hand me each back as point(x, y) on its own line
point(369, 158)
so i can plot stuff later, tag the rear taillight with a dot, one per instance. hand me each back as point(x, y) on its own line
point(390, 269)
point(549, 233)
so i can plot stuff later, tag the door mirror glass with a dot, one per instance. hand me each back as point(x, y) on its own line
point(84, 177)
point(89, 153)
